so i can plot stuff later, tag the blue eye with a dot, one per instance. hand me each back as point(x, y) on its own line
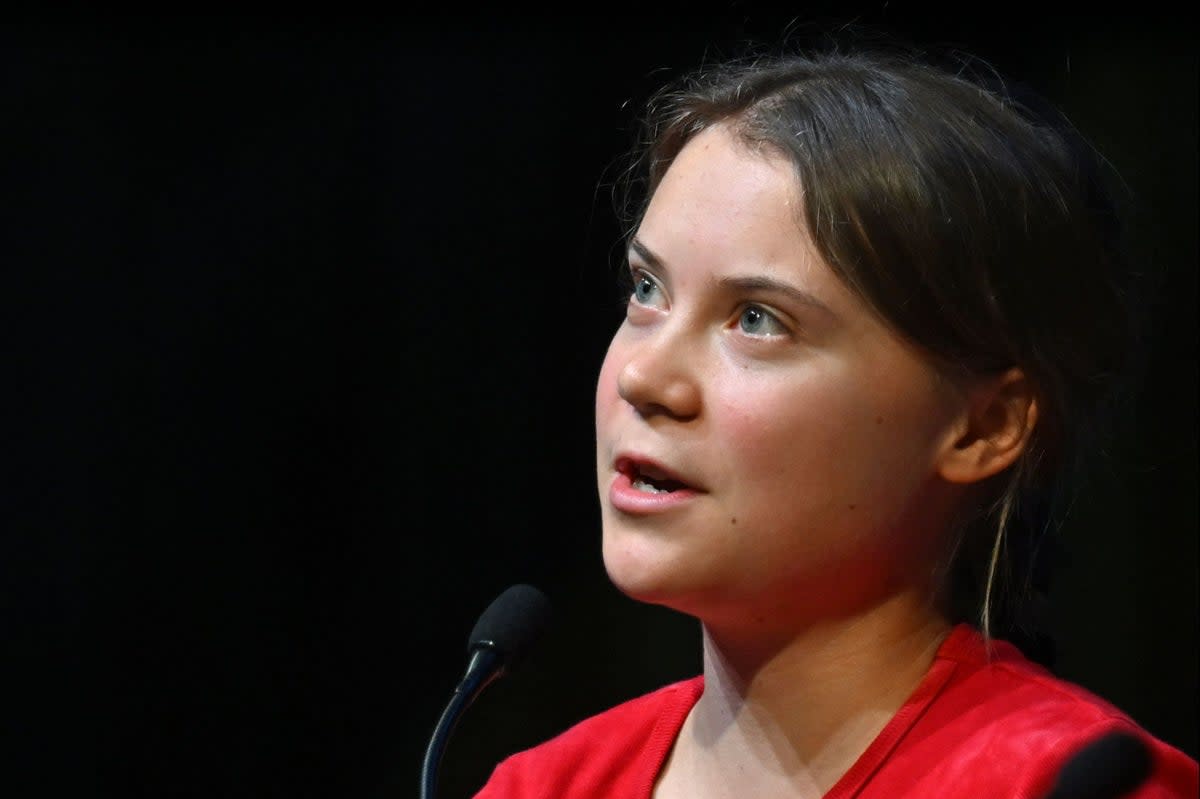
point(644, 289)
point(757, 322)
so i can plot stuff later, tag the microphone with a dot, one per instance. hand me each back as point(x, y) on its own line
point(502, 634)
point(1109, 767)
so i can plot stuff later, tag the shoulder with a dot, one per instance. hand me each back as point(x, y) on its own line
point(1003, 720)
point(1003, 689)
point(601, 755)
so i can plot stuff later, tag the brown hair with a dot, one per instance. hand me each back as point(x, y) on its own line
point(975, 225)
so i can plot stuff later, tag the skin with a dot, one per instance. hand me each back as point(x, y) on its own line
point(825, 458)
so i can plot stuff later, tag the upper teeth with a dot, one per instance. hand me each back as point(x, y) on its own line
point(642, 485)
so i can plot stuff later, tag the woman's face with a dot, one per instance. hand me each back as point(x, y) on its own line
point(765, 444)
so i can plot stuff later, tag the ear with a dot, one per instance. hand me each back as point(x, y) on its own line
point(998, 419)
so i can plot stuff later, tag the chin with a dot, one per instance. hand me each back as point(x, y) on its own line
point(635, 570)
point(642, 571)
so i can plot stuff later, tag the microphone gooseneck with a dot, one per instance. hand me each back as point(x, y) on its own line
point(502, 634)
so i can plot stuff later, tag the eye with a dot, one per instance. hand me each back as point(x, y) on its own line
point(756, 321)
point(645, 290)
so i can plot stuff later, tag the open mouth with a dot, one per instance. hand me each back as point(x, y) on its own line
point(649, 478)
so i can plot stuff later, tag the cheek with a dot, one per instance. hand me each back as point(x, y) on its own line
point(821, 439)
point(607, 397)
point(778, 432)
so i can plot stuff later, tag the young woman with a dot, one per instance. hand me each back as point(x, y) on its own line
point(876, 309)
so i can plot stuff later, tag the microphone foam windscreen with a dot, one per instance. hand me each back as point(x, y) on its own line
point(1110, 766)
point(512, 621)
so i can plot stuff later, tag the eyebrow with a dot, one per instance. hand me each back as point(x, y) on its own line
point(744, 283)
point(645, 253)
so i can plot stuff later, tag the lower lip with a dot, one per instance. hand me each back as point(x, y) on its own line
point(624, 497)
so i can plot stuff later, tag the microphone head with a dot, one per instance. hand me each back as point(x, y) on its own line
point(1109, 766)
point(512, 622)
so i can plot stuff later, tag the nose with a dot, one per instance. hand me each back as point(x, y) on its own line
point(659, 378)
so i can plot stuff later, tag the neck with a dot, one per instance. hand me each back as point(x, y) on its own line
point(797, 710)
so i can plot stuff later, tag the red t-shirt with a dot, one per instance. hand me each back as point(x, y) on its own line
point(974, 728)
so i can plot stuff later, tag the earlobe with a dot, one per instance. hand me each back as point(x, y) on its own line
point(998, 419)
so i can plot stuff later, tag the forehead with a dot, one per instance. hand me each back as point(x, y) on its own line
point(718, 176)
point(724, 206)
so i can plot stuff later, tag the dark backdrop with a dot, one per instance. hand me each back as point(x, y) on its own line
point(302, 323)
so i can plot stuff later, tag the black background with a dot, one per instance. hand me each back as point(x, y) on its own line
point(303, 320)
